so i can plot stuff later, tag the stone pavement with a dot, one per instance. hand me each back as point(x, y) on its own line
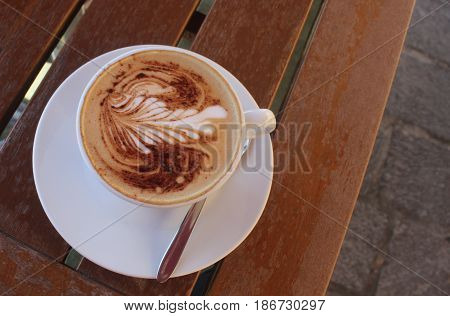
point(404, 204)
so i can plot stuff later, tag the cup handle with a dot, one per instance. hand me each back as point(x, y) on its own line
point(259, 122)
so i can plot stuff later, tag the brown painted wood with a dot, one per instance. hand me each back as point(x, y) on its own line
point(25, 45)
point(107, 25)
point(135, 286)
point(26, 272)
point(253, 40)
point(294, 247)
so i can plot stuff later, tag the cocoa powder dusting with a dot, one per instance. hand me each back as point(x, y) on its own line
point(162, 167)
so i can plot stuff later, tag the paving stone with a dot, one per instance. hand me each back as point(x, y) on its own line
point(378, 157)
point(431, 34)
point(420, 94)
point(332, 291)
point(336, 289)
point(416, 176)
point(356, 258)
point(425, 250)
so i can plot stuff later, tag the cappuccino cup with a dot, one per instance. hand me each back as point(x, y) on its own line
point(163, 127)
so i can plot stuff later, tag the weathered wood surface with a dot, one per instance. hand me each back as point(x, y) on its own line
point(135, 286)
point(253, 40)
point(26, 272)
point(341, 91)
point(107, 25)
point(25, 45)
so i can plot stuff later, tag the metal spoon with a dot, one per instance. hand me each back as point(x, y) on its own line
point(176, 248)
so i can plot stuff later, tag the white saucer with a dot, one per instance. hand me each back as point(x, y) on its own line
point(104, 228)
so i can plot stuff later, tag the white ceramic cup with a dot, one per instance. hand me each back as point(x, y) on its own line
point(255, 123)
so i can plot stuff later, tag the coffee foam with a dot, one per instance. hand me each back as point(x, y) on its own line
point(150, 126)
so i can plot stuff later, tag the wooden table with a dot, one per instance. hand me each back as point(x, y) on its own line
point(329, 77)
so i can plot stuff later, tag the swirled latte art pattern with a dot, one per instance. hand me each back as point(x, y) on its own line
point(154, 122)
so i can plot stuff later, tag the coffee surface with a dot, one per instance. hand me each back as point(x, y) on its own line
point(160, 126)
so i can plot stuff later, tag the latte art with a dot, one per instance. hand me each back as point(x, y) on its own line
point(142, 122)
point(158, 127)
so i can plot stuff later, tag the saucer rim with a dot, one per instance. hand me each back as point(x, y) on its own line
point(103, 264)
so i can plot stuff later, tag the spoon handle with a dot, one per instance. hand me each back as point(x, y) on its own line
point(173, 254)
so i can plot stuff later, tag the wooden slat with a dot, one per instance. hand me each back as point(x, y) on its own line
point(293, 249)
point(107, 25)
point(253, 40)
point(25, 272)
point(25, 45)
point(135, 286)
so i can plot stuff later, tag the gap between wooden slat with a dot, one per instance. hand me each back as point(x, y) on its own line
point(73, 259)
point(194, 24)
point(298, 56)
point(207, 275)
point(41, 73)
